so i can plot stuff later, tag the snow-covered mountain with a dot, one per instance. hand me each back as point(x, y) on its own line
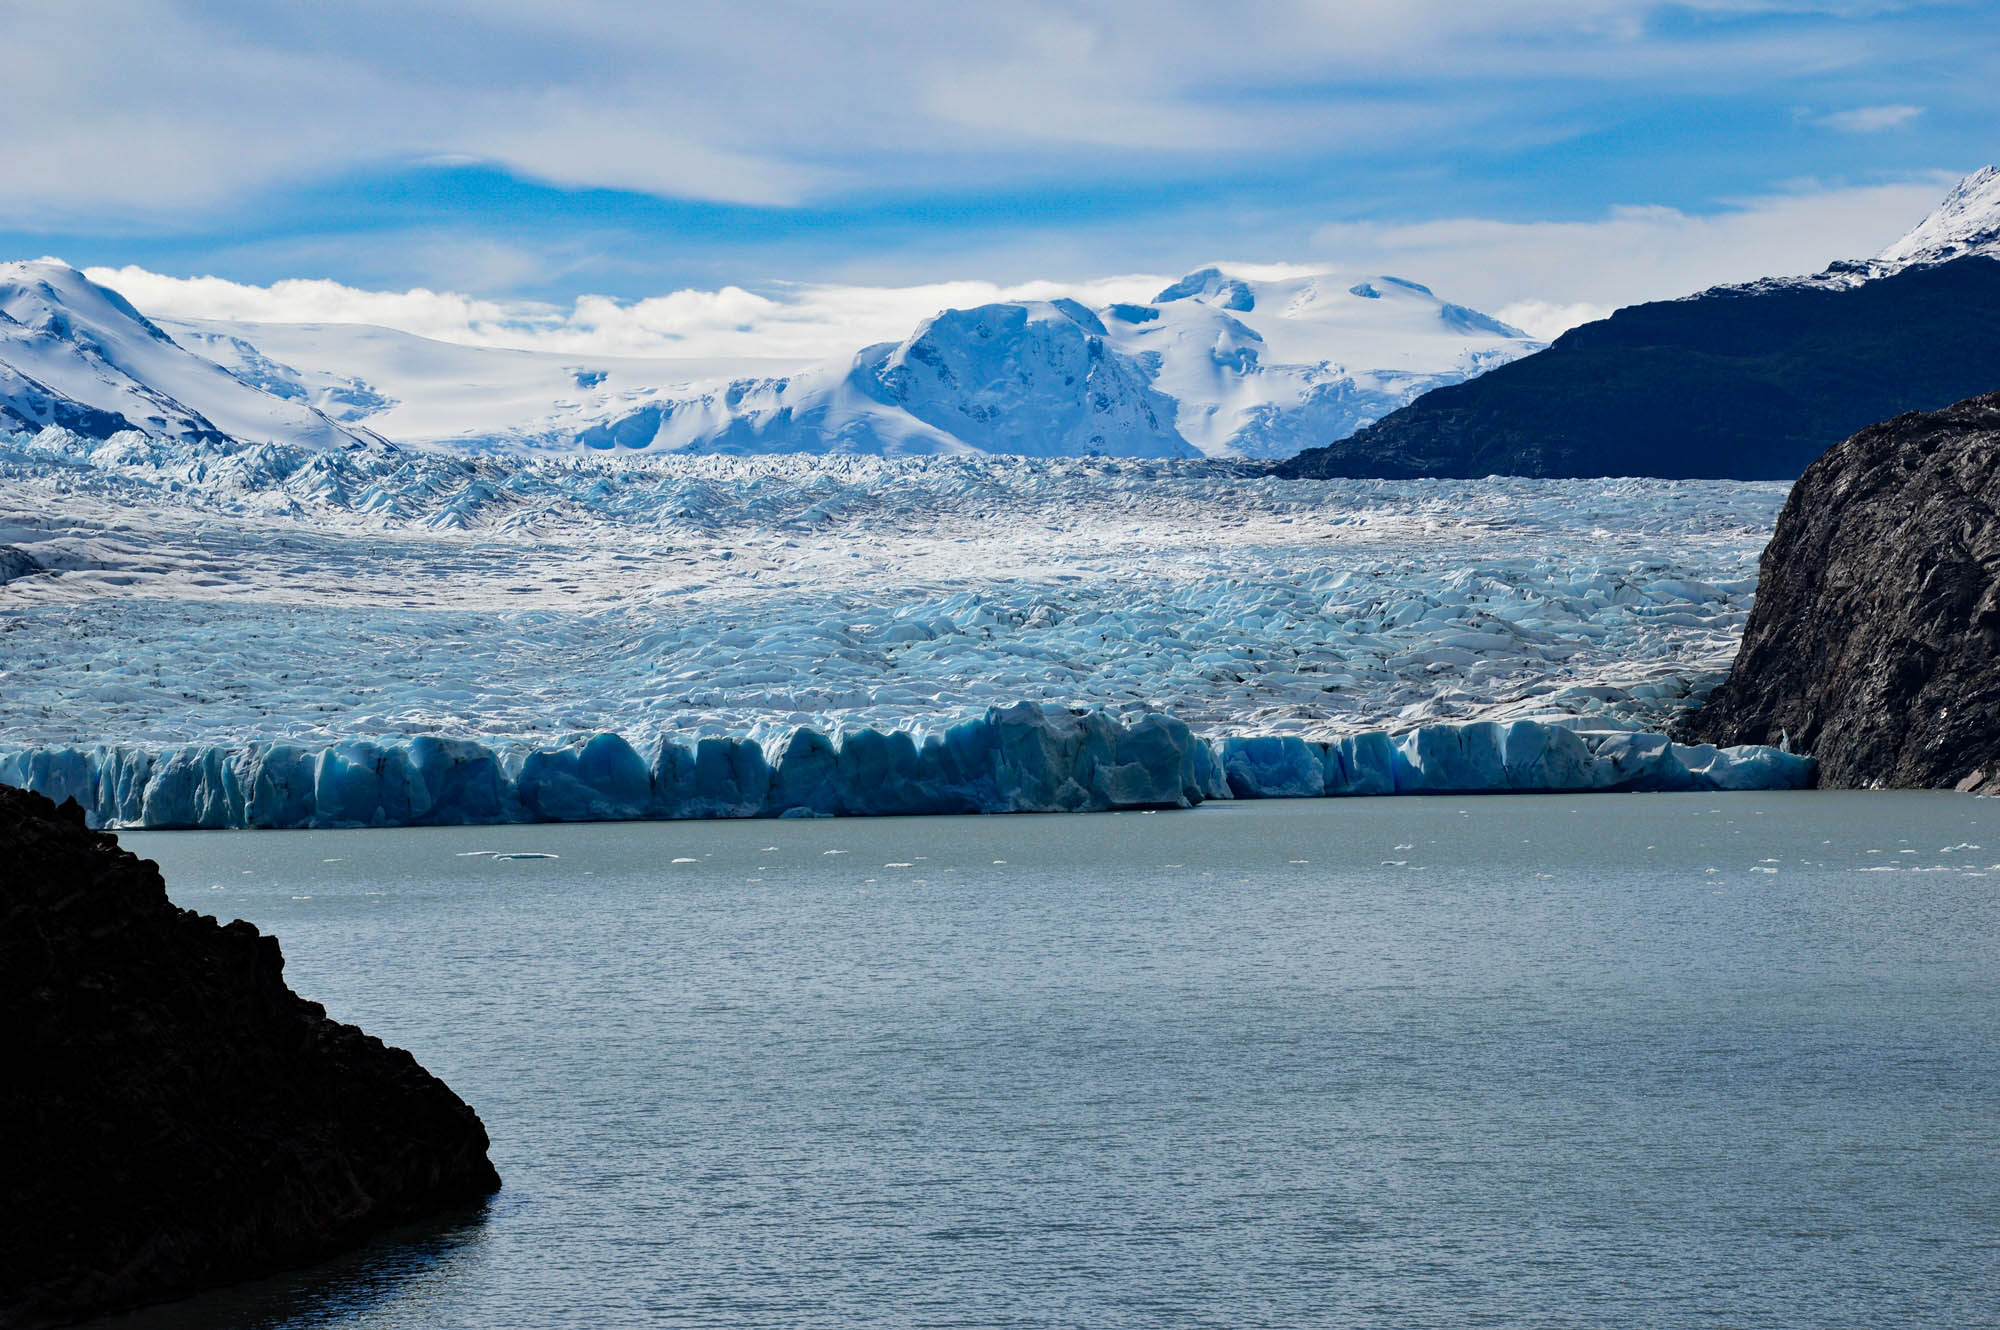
point(1226, 362)
point(1216, 365)
point(1265, 368)
point(420, 390)
point(1787, 367)
point(1033, 378)
point(1967, 222)
point(1965, 225)
point(1220, 363)
point(75, 354)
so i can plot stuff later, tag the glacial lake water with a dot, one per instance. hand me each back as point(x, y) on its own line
point(1611, 1060)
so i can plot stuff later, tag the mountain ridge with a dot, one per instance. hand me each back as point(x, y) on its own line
point(1222, 363)
point(1750, 381)
point(79, 355)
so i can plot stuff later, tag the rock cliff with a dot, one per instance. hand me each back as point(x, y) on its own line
point(1875, 641)
point(174, 1116)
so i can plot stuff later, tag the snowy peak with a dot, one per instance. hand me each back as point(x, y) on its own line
point(1965, 225)
point(1967, 222)
point(1263, 365)
point(50, 297)
point(1033, 378)
point(1223, 364)
point(1211, 287)
point(76, 354)
point(1320, 317)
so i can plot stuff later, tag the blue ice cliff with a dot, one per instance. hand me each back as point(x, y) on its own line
point(1020, 759)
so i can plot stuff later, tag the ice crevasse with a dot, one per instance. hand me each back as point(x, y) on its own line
point(1025, 758)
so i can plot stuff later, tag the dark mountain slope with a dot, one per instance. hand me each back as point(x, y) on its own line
point(1748, 383)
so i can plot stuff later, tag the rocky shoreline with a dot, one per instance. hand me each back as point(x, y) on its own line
point(175, 1116)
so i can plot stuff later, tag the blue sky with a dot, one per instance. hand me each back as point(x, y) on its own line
point(519, 150)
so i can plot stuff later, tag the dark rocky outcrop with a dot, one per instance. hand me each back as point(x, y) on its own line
point(16, 563)
point(1747, 383)
point(1875, 641)
point(172, 1115)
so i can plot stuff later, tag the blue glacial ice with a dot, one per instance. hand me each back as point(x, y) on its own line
point(1019, 759)
point(204, 595)
point(228, 635)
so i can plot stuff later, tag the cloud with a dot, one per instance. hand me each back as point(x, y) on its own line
point(799, 323)
point(1548, 272)
point(1870, 119)
point(1547, 320)
point(145, 109)
point(1543, 277)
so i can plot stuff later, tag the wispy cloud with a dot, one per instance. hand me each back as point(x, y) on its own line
point(1545, 276)
point(1870, 119)
point(151, 105)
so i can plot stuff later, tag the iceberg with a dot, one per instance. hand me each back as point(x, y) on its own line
point(1024, 758)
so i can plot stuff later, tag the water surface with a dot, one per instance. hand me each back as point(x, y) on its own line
point(1607, 1060)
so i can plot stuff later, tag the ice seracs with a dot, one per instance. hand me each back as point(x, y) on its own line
point(77, 355)
point(203, 593)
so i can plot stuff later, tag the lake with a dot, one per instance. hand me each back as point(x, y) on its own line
point(1646, 1060)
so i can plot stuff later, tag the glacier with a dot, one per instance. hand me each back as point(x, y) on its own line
point(1019, 759)
point(1007, 564)
point(204, 633)
point(195, 593)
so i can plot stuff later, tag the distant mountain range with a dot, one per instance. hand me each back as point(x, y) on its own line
point(1750, 382)
point(1218, 364)
point(1215, 365)
point(1370, 375)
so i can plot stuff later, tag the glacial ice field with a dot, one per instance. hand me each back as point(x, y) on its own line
point(225, 595)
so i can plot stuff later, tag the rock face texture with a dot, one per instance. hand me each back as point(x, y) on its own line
point(174, 1116)
point(1742, 383)
point(1875, 641)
